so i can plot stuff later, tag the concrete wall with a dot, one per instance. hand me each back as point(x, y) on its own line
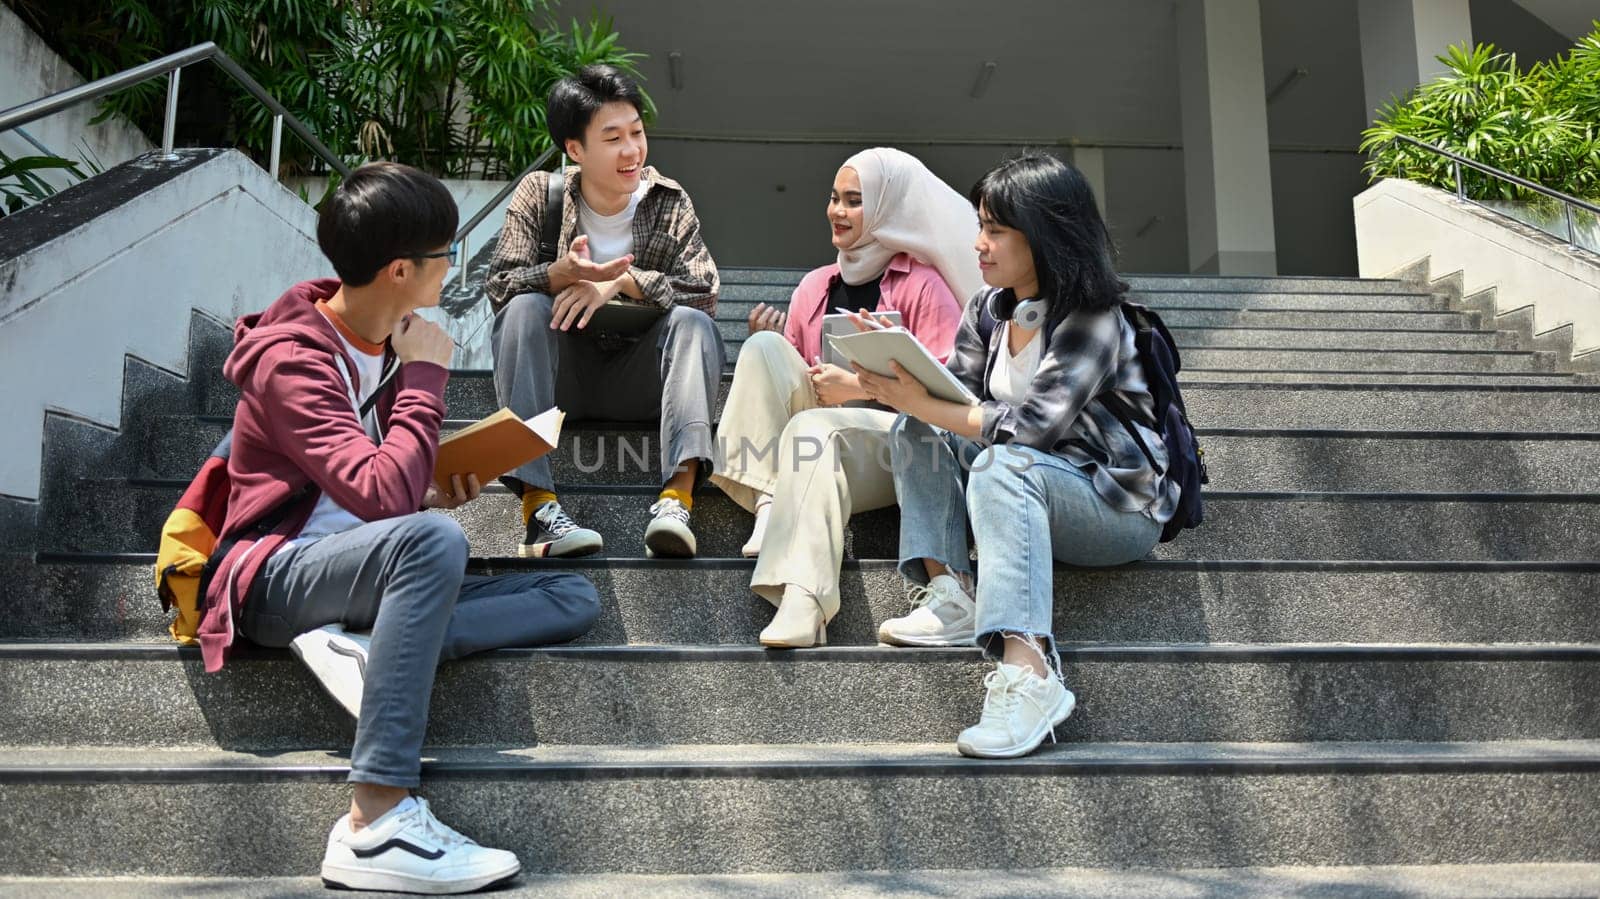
point(223, 238)
point(1400, 224)
point(463, 312)
point(30, 70)
point(762, 203)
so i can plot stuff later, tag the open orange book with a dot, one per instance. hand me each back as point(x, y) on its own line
point(495, 445)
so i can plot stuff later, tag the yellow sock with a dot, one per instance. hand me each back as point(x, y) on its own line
point(681, 496)
point(532, 500)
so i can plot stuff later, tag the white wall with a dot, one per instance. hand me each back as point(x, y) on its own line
point(222, 237)
point(30, 70)
point(469, 196)
point(1399, 223)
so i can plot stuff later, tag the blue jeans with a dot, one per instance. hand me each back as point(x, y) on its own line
point(1028, 509)
point(405, 580)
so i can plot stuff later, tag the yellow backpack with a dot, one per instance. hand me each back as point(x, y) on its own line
point(188, 540)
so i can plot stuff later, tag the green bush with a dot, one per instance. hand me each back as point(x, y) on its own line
point(20, 187)
point(455, 87)
point(1542, 124)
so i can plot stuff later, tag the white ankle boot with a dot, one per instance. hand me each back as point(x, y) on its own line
point(752, 547)
point(798, 624)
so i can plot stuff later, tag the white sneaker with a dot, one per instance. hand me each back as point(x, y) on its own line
point(339, 660)
point(942, 614)
point(408, 850)
point(1020, 709)
point(758, 534)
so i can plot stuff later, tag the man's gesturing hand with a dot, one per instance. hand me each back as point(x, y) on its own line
point(577, 266)
point(416, 339)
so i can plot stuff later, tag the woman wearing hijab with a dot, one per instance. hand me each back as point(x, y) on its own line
point(799, 445)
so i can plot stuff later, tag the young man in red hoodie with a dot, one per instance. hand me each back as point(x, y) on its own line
point(345, 479)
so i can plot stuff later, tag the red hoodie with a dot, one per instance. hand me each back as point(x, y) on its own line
point(294, 430)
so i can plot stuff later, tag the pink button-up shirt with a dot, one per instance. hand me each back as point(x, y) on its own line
point(913, 288)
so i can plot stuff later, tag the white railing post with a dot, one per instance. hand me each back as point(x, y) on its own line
point(169, 126)
point(277, 146)
point(461, 258)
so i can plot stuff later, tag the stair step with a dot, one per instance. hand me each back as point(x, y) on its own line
point(621, 453)
point(1249, 337)
point(1526, 881)
point(736, 300)
point(80, 695)
point(1486, 406)
point(732, 320)
point(1290, 359)
point(1138, 283)
point(708, 601)
point(1272, 283)
point(788, 277)
point(118, 516)
point(474, 388)
point(1386, 378)
point(692, 810)
point(1262, 342)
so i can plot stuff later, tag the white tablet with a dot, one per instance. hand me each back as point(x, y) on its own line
point(840, 326)
point(874, 350)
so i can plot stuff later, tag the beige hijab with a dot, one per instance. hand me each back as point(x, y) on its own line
point(907, 209)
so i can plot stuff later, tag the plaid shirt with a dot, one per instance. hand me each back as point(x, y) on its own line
point(671, 263)
point(1088, 354)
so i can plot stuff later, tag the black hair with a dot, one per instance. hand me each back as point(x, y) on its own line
point(1053, 206)
point(574, 100)
point(382, 212)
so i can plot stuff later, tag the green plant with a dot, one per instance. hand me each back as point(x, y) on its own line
point(1542, 124)
point(21, 187)
point(452, 86)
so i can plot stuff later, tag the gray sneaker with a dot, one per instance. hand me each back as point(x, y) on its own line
point(668, 535)
point(553, 533)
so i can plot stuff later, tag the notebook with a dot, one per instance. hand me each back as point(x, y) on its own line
point(495, 445)
point(874, 350)
point(834, 325)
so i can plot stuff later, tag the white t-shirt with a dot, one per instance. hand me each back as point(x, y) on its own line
point(1013, 375)
point(610, 236)
point(329, 517)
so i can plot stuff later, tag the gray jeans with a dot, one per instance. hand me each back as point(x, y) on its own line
point(405, 580)
point(670, 372)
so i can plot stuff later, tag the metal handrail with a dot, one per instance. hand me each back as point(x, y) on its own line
point(172, 65)
point(483, 213)
point(1460, 161)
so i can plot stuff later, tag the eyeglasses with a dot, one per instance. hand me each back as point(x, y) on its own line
point(449, 254)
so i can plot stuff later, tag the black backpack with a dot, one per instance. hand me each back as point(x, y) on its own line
point(1158, 356)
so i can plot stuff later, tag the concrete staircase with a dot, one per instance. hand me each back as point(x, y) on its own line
point(1382, 649)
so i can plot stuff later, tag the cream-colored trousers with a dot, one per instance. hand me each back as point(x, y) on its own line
point(820, 464)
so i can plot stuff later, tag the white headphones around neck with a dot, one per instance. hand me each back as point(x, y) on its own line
point(1029, 314)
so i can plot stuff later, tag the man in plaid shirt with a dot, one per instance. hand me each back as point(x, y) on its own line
point(630, 234)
